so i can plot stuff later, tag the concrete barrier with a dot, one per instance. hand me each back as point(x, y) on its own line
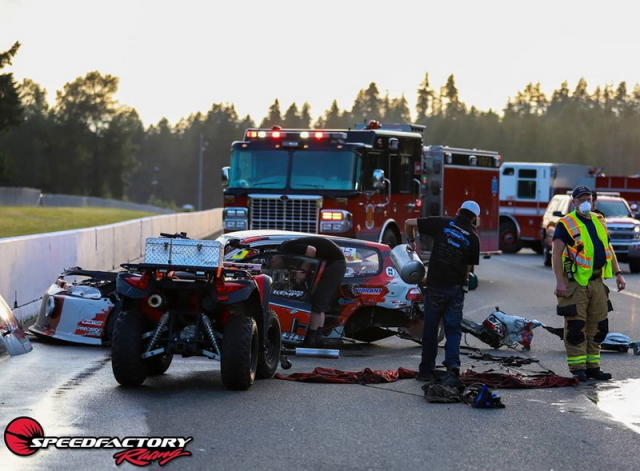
point(29, 264)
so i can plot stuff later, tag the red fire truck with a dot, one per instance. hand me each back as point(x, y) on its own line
point(362, 183)
point(525, 191)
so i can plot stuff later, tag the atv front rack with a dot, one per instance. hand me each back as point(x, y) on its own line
point(229, 269)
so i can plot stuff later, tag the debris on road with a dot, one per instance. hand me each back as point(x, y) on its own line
point(12, 337)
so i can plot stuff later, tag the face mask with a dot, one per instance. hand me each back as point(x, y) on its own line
point(584, 207)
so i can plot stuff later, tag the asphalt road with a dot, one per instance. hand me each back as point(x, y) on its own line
point(277, 424)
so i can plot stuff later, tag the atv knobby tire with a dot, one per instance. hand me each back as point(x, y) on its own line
point(240, 350)
point(270, 354)
point(159, 364)
point(128, 367)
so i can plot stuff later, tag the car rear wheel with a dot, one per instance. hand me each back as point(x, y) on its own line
point(128, 367)
point(509, 242)
point(240, 345)
point(270, 354)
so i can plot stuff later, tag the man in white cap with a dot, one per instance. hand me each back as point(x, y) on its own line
point(456, 248)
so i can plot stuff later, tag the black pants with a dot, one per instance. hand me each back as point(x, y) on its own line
point(327, 287)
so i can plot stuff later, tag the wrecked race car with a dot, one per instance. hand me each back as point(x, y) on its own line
point(182, 300)
point(373, 301)
point(80, 307)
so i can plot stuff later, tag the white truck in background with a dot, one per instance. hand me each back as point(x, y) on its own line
point(525, 191)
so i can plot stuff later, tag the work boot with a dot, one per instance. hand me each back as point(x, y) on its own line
point(310, 338)
point(454, 371)
point(314, 339)
point(597, 373)
point(452, 378)
point(425, 377)
point(580, 375)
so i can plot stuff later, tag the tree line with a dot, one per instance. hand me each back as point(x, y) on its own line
point(87, 143)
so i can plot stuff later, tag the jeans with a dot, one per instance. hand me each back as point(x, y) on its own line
point(439, 303)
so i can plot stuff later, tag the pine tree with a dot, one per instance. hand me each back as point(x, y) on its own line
point(424, 103)
point(274, 117)
point(305, 116)
point(291, 117)
point(10, 106)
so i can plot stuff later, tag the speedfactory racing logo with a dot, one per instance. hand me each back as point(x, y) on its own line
point(24, 436)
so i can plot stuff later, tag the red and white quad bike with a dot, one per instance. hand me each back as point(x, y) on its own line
point(183, 300)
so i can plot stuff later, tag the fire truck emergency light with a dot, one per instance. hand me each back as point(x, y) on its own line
point(332, 215)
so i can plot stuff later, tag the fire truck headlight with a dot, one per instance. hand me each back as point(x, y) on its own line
point(235, 219)
point(636, 232)
point(335, 220)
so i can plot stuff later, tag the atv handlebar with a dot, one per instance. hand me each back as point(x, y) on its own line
point(177, 235)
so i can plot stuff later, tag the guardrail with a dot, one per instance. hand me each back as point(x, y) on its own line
point(29, 264)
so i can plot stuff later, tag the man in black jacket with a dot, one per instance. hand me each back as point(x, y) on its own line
point(456, 248)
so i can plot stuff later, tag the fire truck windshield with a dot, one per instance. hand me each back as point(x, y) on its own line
point(327, 170)
point(307, 169)
point(259, 169)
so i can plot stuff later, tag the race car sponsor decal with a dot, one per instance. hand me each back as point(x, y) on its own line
point(367, 291)
point(93, 327)
point(25, 436)
point(390, 272)
point(289, 293)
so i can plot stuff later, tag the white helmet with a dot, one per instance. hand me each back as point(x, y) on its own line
point(471, 206)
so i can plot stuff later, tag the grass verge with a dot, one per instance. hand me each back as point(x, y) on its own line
point(25, 220)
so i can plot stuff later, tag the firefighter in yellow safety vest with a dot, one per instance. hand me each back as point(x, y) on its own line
point(582, 258)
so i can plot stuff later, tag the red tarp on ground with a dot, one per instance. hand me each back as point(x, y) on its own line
point(369, 376)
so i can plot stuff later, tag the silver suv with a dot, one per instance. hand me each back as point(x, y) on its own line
point(624, 230)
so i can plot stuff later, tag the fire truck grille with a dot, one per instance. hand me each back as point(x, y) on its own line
point(290, 214)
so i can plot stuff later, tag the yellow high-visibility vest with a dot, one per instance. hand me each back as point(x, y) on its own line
point(582, 251)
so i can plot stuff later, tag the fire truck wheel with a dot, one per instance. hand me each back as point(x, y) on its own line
point(547, 256)
point(270, 355)
point(128, 367)
point(634, 266)
point(240, 345)
point(389, 237)
point(509, 242)
point(159, 364)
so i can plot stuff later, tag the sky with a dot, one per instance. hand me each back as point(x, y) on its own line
point(177, 58)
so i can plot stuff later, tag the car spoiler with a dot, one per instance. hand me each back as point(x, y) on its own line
point(96, 275)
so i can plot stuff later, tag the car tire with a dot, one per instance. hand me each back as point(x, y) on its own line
point(509, 241)
point(547, 256)
point(128, 367)
point(270, 355)
point(634, 266)
point(389, 237)
point(159, 364)
point(240, 345)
